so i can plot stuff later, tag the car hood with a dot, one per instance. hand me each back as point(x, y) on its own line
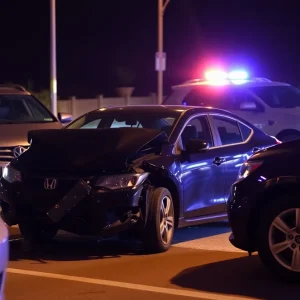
point(87, 151)
point(16, 134)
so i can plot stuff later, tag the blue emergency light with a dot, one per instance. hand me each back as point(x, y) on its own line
point(219, 75)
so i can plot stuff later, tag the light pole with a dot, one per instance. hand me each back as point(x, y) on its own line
point(53, 81)
point(160, 55)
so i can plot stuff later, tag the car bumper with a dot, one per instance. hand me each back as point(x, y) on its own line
point(239, 209)
point(83, 210)
point(4, 252)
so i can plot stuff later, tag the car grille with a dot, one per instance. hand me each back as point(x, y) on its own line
point(6, 154)
point(44, 199)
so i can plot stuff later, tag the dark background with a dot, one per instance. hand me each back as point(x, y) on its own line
point(96, 36)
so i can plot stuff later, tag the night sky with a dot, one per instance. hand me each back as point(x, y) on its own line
point(96, 36)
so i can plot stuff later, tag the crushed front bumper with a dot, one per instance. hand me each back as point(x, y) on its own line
point(82, 210)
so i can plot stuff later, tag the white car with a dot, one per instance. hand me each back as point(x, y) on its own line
point(3, 256)
point(274, 107)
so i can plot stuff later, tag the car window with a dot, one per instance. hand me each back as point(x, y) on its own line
point(243, 100)
point(117, 124)
point(228, 130)
point(150, 120)
point(23, 109)
point(221, 97)
point(245, 130)
point(197, 128)
point(278, 96)
point(91, 125)
point(208, 96)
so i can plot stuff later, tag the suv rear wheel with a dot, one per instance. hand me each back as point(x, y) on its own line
point(279, 237)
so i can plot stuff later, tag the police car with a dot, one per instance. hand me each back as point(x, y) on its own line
point(274, 107)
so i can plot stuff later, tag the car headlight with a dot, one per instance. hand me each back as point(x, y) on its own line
point(115, 182)
point(11, 175)
point(248, 167)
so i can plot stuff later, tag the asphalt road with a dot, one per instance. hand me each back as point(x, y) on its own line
point(201, 265)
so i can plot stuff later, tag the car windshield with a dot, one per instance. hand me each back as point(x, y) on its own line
point(15, 109)
point(278, 96)
point(150, 120)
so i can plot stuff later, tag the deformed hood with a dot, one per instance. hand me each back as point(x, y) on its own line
point(87, 150)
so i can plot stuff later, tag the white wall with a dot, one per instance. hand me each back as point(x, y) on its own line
point(78, 107)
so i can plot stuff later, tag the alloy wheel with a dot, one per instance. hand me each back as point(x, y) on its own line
point(284, 239)
point(166, 220)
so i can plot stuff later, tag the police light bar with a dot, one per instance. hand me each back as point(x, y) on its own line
point(219, 75)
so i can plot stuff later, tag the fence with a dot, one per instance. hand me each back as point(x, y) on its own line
point(77, 107)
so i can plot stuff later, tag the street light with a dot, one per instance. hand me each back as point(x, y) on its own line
point(53, 81)
point(160, 55)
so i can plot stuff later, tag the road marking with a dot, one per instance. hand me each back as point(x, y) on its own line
point(131, 286)
point(217, 242)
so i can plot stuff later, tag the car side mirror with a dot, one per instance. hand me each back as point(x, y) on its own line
point(194, 146)
point(249, 105)
point(64, 118)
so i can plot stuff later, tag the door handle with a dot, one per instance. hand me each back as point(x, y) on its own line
point(218, 160)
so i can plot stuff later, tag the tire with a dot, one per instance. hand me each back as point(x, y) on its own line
point(154, 241)
point(285, 207)
point(37, 233)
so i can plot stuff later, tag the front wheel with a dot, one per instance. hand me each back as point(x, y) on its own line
point(279, 238)
point(37, 233)
point(159, 229)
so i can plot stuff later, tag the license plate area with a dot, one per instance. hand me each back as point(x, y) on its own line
point(70, 200)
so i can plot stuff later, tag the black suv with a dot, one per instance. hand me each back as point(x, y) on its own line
point(264, 208)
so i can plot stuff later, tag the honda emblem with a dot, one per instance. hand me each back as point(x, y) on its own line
point(50, 184)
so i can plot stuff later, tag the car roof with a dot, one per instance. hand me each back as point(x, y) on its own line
point(155, 108)
point(13, 89)
point(254, 82)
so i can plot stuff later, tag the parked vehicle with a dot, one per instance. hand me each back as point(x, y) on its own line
point(3, 256)
point(273, 107)
point(146, 169)
point(264, 209)
point(21, 112)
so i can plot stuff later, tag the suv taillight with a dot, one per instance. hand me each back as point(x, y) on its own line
point(248, 167)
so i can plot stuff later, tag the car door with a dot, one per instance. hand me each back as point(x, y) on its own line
point(233, 140)
point(203, 178)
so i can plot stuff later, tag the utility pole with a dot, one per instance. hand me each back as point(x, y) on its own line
point(53, 80)
point(160, 55)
